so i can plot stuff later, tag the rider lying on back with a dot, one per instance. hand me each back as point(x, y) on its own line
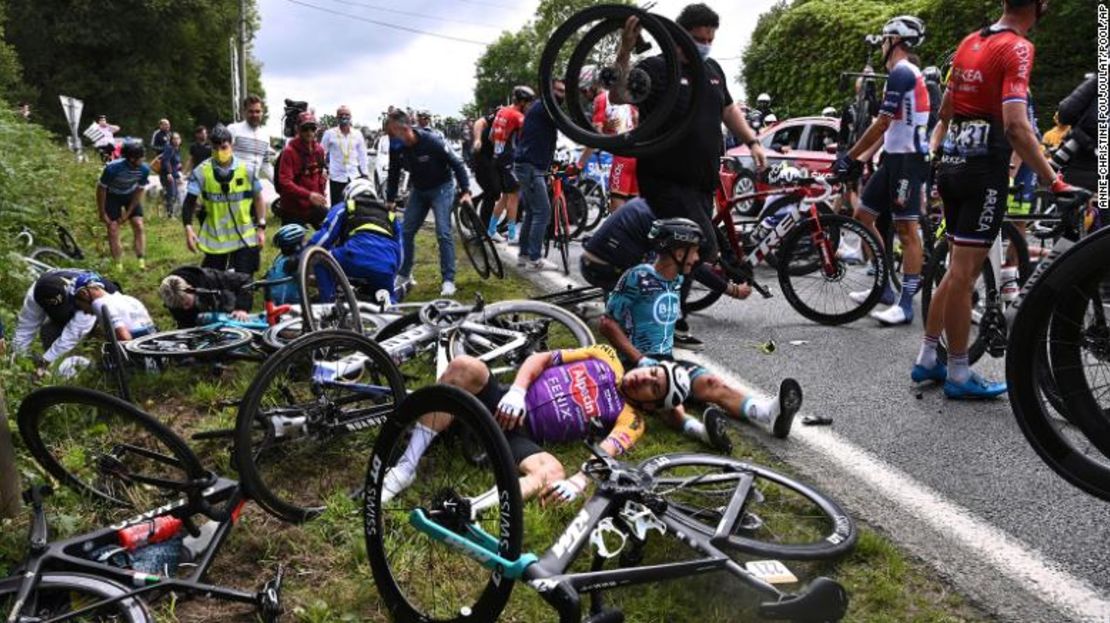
point(640, 323)
point(556, 397)
point(222, 291)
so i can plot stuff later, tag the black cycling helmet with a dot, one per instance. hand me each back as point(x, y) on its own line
point(668, 233)
point(1042, 6)
point(219, 134)
point(523, 93)
point(132, 148)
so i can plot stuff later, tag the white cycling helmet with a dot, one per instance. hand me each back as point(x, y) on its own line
point(678, 384)
point(587, 76)
point(910, 29)
point(763, 98)
point(829, 111)
point(770, 119)
point(358, 187)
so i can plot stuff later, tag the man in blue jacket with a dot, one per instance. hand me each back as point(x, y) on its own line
point(431, 164)
point(364, 236)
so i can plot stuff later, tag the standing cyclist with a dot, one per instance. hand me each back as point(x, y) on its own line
point(118, 199)
point(506, 125)
point(983, 118)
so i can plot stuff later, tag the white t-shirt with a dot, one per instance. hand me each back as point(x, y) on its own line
point(125, 311)
point(346, 154)
point(252, 147)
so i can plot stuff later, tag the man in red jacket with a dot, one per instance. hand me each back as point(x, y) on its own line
point(302, 176)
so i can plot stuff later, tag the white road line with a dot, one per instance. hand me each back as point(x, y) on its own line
point(1036, 572)
point(1040, 575)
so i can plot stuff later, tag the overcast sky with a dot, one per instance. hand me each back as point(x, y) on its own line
point(331, 55)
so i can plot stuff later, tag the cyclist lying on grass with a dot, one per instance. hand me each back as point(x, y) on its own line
point(639, 322)
point(178, 292)
point(128, 315)
point(556, 397)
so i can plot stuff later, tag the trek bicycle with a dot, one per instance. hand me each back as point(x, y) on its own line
point(449, 547)
point(119, 457)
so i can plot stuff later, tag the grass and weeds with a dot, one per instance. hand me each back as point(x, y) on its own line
point(327, 575)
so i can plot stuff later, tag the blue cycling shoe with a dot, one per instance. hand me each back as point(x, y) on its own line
point(938, 373)
point(974, 388)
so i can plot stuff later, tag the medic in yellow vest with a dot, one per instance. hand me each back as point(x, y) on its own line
point(232, 214)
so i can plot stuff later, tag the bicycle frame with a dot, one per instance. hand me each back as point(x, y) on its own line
point(65, 556)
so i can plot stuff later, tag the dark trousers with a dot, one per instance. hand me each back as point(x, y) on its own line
point(245, 260)
point(487, 177)
point(335, 189)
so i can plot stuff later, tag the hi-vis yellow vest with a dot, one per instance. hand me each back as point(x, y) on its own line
point(227, 223)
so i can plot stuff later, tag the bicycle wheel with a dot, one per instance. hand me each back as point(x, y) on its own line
point(782, 518)
point(321, 279)
point(1068, 442)
point(597, 202)
point(313, 405)
point(69, 244)
point(578, 211)
point(816, 282)
point(466, 224)
point(52, 257)
point(559, 216)
point(701, 297)
point(58, 594)
point(496, 268)
point(543, 326)
point(421, 578)
point(194, 342)
point(105, 448)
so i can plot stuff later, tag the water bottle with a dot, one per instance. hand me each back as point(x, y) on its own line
point(149, 531)
point(1010, 286)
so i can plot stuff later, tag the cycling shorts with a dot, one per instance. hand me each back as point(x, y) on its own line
point(114, 205)
point(975, 194)
point(622, 178)
point(896, 187)
point(521, 444)
point(509, 181)
point(604, 276)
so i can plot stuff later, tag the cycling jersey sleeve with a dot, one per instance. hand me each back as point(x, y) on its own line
point(622, 299)
point(31, 317)
point(601, 102)
point(899, 83)
point(330, 228)
point(627, 431)
point(1017, 67)
point(603, 352)
point(106, 175)
point(75, 330)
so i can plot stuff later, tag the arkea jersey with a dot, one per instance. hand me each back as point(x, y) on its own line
point(578, 386)
point(506, 127)
point(646, 306)
point(613, 118)
point(906, 102)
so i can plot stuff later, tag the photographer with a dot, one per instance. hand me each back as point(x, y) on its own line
point(1076, 156)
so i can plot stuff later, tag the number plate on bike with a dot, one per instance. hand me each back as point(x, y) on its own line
point(771, 571)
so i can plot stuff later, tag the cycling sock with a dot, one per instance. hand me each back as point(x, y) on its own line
point(693, 427)
point(422, 437)
point(910, 284)
point(512, 230)
point(927, 356)
point(493, 223)
point(959, 370)
point(760, 410)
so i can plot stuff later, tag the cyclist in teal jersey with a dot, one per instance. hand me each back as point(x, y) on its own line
point(640, 323)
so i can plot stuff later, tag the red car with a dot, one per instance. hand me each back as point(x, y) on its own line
point(808, 143)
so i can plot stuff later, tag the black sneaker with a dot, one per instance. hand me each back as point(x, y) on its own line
point(688, 342)
point(790, 400)
point(716, 424)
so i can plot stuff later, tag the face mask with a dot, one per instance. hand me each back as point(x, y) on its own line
point(223, 155)
point(344, 121)
point(703, 49)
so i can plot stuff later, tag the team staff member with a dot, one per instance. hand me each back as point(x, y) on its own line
point(346, 153)
point(233, 219)
point(48, 310)
point(118, 196)
point(431, 164)
point(680, 180)
point(983, 118)
point(506, 125)
point(224, 293)
point(302, 176)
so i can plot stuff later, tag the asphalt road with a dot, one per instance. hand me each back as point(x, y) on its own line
point(954, 483)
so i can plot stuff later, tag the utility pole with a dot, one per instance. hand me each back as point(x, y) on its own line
point(233, 54)
point(242, 50)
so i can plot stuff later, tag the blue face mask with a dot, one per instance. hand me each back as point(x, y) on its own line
point(703, 49)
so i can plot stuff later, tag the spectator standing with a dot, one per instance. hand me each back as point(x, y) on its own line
point(346, 154)
point(106, 144)
point(431, 164)
point(171, 173)
point(161, 136)
point(200, 150)
point(250, 140)
point(534, 153)
point(303, 181)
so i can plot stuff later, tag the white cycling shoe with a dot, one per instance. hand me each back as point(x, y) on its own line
point(395, 482)
point(892, 316)
point(448, 289)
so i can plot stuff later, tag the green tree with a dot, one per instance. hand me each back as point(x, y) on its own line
point(11, 83)
point(134, 60)
point(798, 49)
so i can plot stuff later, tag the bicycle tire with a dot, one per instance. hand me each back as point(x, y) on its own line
point(68, 243)
point(702, 298)
point(344, 305)
point(597, 201)
point(197, 342)
point(267, 432)
point(77, 468)
point(831, 224)
point(772, 258)
point(578, 211)
point(114, 358)
point(277, 336)
point(835, 532)
point(579, 331)
point(472, 243)
point(496, 268)
point(380, 529)
point(561, 238)
point(71, 587)
point(1044, 432)
point(51, 256)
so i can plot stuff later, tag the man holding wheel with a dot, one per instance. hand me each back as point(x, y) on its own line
point(679, 181)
